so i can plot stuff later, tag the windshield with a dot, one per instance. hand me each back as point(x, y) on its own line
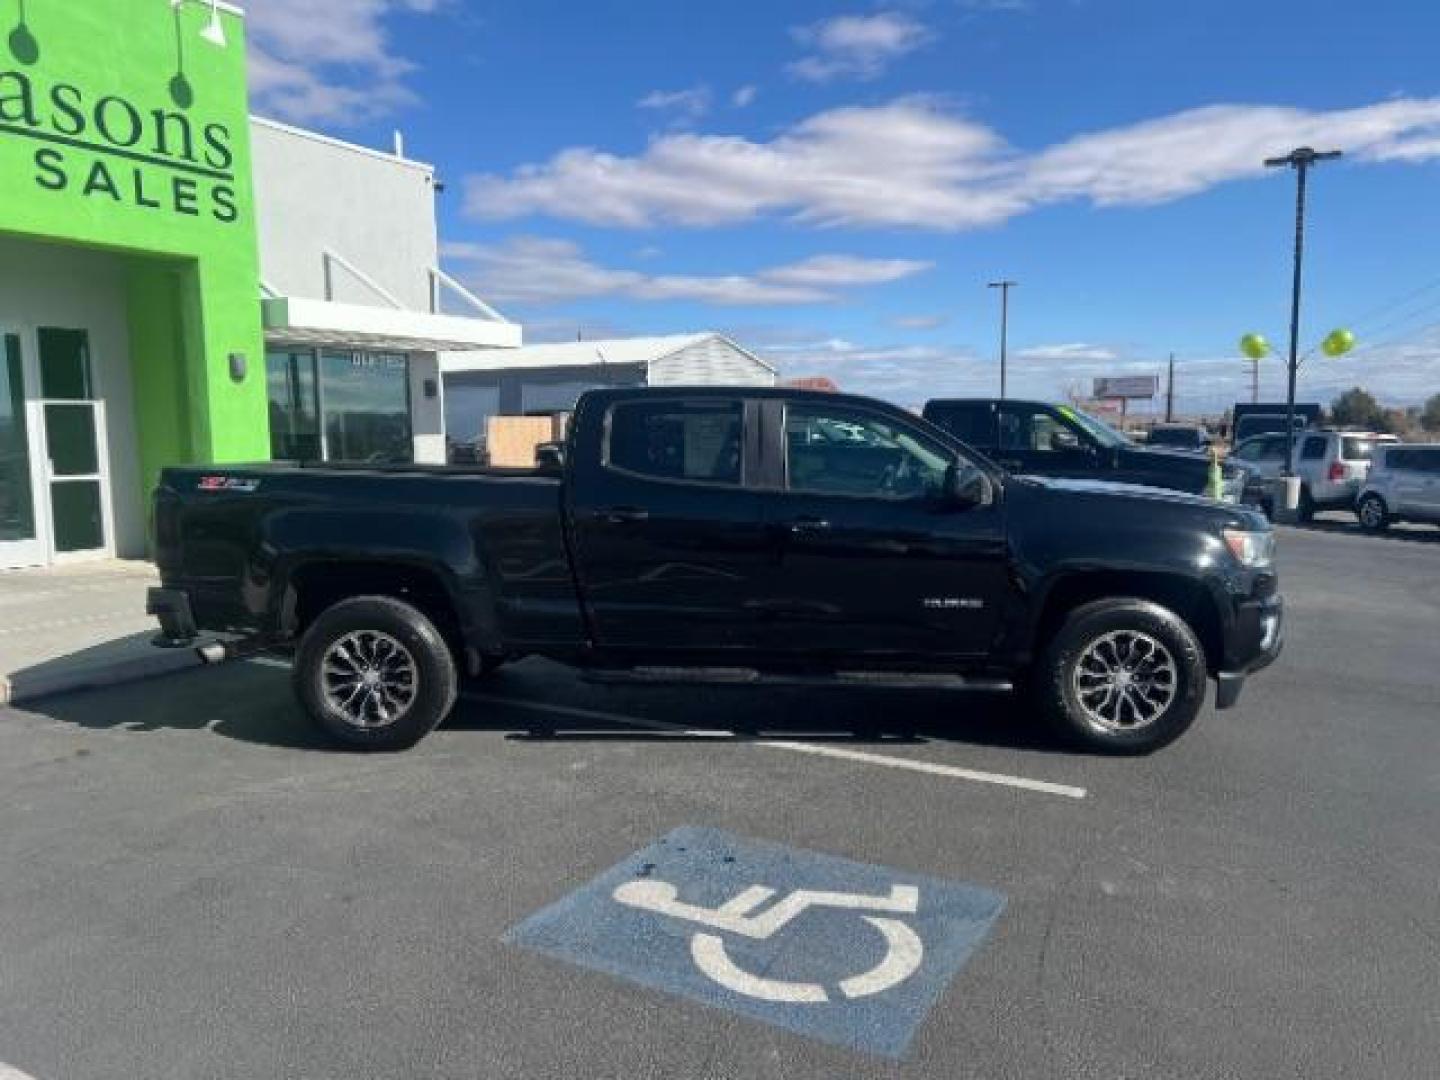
point(1098, 430)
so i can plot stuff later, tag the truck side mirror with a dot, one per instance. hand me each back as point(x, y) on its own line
point(1064, 440)
point(965, 487)
point(550, 457)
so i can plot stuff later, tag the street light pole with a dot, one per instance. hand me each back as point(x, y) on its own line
point(1170, 393)
point(1301, 160)
point(1004, 287)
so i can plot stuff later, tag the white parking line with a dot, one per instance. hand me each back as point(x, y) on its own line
point(933, 769)
point(929, 768)
point(865, 757)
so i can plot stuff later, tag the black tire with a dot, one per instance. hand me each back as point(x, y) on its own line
point(426, 683)
point(1057, 684)
point(1373, 514)
point(1305, 509)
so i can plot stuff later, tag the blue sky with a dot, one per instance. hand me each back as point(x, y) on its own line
point(834, 184)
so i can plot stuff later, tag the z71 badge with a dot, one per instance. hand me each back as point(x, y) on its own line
point(227, 483)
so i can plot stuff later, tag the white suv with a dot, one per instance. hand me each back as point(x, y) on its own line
point(1403, 485)
point(1332, 466)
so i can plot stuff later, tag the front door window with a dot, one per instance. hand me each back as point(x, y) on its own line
point(839, 451)
point(74, 441)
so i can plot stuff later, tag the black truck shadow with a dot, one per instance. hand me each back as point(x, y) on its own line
point(537, 701)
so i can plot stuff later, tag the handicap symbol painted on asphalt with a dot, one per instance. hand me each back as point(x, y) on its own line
point(902, 956)
point(847, 952)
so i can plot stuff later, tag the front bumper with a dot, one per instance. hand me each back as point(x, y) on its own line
point(1257, 639)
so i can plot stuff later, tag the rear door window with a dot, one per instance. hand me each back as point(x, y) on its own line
point(971, 423)
point(687, 441)
point(1352, 449)
point(1426, 459)
point(1314, 449)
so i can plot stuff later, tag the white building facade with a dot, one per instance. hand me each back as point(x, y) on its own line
point(354, 300)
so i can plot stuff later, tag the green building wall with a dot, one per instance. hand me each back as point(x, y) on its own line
point(122, 128)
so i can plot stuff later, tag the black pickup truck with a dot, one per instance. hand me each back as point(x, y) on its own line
point(723, 535)
point(1042, 439)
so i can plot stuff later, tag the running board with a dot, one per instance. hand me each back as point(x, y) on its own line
point(731, 676)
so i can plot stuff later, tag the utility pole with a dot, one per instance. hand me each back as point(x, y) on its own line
point(1170, 393)
point(1004, 287)
point(1254, 382)
point(1301, 160)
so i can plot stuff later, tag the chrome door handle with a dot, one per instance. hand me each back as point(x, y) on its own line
point(622, 515)
point(806, 526)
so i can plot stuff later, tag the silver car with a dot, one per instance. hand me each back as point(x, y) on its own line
point(1403, 485)
point(1264, 456)
point(1332, 466)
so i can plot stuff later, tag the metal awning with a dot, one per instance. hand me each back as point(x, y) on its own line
point(293, 320)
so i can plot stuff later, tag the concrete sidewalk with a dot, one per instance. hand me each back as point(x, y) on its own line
point(71, 627)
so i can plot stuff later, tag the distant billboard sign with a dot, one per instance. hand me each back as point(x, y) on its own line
point(1128, 386)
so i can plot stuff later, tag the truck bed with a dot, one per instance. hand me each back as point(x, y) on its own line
point(241, 538)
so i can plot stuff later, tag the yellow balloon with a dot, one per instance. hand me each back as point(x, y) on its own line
point(1338, 342)
point(1255, 346)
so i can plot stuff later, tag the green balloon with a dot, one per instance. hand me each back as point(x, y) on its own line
point(1338, 342)
point(1255, 346)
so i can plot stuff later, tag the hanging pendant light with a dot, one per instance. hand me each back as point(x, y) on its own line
point(214, 31)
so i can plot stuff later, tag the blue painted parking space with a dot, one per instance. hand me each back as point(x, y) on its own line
point(850, 953)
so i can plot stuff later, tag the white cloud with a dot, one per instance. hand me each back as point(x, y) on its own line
point(1399, 373)
point(913, 162)
point(328, 61)
point(844, 270)
point(856, 46)
point(1068, 352)
point(745, 96)
point(919, 322)
point(535, 270)
point(996, 5)
point(687, 105)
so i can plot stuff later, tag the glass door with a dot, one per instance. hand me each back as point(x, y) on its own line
point(78, 474)
point(21, 539)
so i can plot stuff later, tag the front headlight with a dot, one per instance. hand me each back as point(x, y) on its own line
point(1252, 549)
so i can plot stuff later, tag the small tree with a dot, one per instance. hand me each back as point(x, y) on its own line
point(1430, 415)
point(1357, 407)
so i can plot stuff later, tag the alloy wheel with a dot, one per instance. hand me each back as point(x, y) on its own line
point(369, 678)
point(1125, 680)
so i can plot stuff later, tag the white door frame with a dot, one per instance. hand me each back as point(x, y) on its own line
point(41, 551)
point(35, 551)
point(106, 550)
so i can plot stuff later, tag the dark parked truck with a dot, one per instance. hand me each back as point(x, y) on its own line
point(723, 535)
point(1057, 440)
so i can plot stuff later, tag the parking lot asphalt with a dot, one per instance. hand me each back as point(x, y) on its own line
point(192, 885)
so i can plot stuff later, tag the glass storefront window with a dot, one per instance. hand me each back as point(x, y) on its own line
point(17, 507)
point(294, 407)
point(340, 406)
point(366, 403)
